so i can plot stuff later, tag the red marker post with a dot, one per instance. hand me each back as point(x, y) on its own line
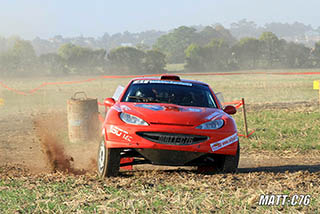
point(245, 118)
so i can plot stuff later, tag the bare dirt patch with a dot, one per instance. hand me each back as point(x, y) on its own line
point(283, 105)
point(39, 142)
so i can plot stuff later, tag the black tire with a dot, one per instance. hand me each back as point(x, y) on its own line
point(222, 163)
point(108, 162)
point(230, 162)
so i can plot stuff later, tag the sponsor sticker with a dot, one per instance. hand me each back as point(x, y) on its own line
point(150, 107)
point(125, 108)
point(159, 108)
point(192, 110)
point(176, 139)
point(116, 108)
point(120, 133)
point(225, 142)
point(161, 82)
point(213, 116)
point(140, 81)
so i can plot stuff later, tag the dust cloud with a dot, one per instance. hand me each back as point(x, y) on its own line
point(60, 154)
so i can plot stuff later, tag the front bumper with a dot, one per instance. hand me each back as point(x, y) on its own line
point(125, 136)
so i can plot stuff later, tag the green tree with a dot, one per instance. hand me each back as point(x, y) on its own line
point(247, 52)
point(244, 28)
point(197, 57)
point(9, 64)
point(288, 30)
point(21, 59)
point(220, 55)
point(142, 47)
point(129, 59)
point(224, 35)
point(206, 35)
point(69, 51)
point(53, 64)
point(82, 60)
point(215, 56)
point(316, 55)
point(174, 43)
point(297, 56)
point(154, 61)
point(272, 49)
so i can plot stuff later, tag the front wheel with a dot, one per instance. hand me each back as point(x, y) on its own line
point(230, 162)
point(222, 163)
point(108, 160)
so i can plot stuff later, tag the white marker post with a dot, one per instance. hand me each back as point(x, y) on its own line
point(316, 87)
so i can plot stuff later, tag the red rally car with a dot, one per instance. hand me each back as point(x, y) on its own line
point(168, 121)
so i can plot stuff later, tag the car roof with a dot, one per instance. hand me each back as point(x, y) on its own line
point(159, 78)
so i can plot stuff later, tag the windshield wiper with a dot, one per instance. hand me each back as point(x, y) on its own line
point(138, 98)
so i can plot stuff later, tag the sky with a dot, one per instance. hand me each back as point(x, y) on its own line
point(47, 18)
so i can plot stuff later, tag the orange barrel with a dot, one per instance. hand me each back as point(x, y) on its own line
point(83, 121)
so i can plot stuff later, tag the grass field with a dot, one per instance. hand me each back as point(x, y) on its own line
point(155, 192)
point(174, 67)
point(282, 109)
point(256, 88)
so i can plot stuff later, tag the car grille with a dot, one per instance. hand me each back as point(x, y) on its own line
point(172, 138)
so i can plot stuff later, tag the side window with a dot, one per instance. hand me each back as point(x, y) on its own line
point(210, 100)
point(118, 92)
point(220, 97)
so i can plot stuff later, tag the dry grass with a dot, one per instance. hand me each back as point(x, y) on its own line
point(176, 191)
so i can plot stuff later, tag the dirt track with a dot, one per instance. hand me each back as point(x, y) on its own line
point(35, 142)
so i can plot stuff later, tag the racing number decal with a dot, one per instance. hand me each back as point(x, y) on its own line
point(120, 133)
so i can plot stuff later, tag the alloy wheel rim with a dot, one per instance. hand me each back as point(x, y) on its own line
point(102, 156)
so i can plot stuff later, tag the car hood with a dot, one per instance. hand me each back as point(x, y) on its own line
point(170, 114)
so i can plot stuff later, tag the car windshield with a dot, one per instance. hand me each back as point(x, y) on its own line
point(173, 92)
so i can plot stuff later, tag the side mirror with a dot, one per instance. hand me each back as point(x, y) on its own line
point(230, 110)
point(108, 102)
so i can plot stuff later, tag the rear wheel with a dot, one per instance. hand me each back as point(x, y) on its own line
point(108, 160)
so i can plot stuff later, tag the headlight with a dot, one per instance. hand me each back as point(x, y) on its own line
point(214, 124)
point(130, 119)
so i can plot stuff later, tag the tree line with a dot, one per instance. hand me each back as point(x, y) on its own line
point(211, 48)
point(21, 60)
point(243, 28)
point(266, 52)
